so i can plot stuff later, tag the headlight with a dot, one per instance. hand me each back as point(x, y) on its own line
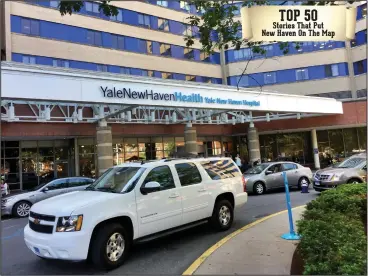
point(336, 176)
point(69, 224)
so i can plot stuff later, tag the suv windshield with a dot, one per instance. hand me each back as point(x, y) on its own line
point(117, 180)
point(257, 169)
point(351, 162)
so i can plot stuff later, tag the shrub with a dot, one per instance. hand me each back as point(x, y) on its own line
point(332, 228)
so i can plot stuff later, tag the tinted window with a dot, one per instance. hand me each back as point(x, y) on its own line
point(75, 182)
point(188, 174)
point(161, 175)
point(220, 169)
point(289, 166)
point(275, 168)
point(58, 184)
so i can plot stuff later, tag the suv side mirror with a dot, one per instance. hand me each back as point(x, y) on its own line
point(150, 187)
point(45, 189)
point(269, 172)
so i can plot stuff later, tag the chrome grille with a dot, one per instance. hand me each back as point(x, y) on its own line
point(42, 217)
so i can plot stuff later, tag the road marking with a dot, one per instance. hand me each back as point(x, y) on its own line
point(9, 227)
point(197, 263)
point(15, 234)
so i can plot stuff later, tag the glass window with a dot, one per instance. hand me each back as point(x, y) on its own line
point(125, 70)
point(184, 5)
point(149, 47)
point(288, 167)
point(29, 60)
point(275, 168)
point(26, 26)
point(118, 17)
point(257, 169)
point(92, 7)
point(94, 38)
point(189, 53)
point(190, 78)
point(302, 74)
point(364, 11)
point(166, 75)
point(54, 4)
point(102, 68)
point(35, 27)
point(165, 49)
point(76, 182)
point(187, 30)
point(220, 169)
point(162, 3)
point(60, 63)
point(269, 77)
point(351, 141)
point(331, 70)
point(163, 24)
point(161, 175)
point(117, 42)
point(360, 67)
point(336, 145)
point(242, 80)
point(188, 174)
point(58, 184)
point(144, 20)
point(362, 134)
point(290, 147)
point(204, 56)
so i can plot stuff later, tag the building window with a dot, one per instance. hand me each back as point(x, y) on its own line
point(242, 80)
point(29, 60)
point(187, 30)
point(163, 25)
point(331, 70)
point(92, 7)
point(360, 67)
point(204, 56)
point(188, 53)
point(125, 70)
point(190, 78)
point(364, 11)
point(147, 73)
point(94, 38)
point(117, 42)
point(31, 27)
point(60, 63)
point(118, 17)
point(242, 54)
point(167, 76)
point(144, 20)
point(101, 68)
point(206, 80)
point(269, 77)
point(54, 4)
point(184, 5)
point(149, 47)
point(165, 50)
point(301, 74)
point(162, 3)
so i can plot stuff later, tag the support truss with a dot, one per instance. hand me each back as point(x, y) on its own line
point(58, 112)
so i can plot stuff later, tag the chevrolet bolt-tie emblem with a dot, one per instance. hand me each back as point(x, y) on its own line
point(36, 221)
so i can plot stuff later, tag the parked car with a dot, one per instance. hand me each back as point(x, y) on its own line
point(351, 170)
point(135, 202)
point(267, 176)
point(19, 204)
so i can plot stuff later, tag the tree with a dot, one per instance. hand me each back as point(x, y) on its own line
point(217, 18)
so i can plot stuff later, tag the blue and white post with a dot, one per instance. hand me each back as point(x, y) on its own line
point(291, 235)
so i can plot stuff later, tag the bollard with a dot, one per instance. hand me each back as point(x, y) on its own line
point(305, 186)
point(291, 235)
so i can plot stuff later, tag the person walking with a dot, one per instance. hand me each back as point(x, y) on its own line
point(4, 187)
point(238, 160)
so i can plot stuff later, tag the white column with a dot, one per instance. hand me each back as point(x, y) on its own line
point(315, 149)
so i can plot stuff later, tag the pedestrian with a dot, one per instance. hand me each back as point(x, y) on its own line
point(245, 166)
point(238, 160)
point(4, 187)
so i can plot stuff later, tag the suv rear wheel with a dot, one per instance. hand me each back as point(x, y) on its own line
point(222, 216)
point(110, 246)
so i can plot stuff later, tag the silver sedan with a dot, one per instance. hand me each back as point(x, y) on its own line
point(267, 176)
point(19, 204)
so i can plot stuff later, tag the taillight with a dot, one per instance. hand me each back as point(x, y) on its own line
point(244, 184)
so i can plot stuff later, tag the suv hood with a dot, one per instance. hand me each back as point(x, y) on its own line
point(331, 170)
point(65, 204)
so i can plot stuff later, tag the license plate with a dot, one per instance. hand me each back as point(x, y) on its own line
point(36, 250)
point(317, 183)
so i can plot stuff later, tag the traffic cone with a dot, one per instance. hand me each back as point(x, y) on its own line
point(305, 186)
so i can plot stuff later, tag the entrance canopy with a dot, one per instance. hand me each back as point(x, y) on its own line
point(67, 95)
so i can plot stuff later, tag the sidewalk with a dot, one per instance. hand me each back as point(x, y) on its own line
point(258, 250)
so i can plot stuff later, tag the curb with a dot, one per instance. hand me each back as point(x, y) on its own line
point(199, 261)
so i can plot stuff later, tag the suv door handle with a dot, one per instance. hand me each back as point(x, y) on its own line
point(202, 190)
point(174, 196)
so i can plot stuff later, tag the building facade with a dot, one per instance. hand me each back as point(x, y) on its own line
point(147, 39)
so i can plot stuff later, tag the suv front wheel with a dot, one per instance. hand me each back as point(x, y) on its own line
point(222, 216)
point(110, 246)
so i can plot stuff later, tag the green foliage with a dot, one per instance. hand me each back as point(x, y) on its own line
point(334, 240)
point(218, 16)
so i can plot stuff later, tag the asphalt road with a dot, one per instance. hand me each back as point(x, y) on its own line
point(168, 255)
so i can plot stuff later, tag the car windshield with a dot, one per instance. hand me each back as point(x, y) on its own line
point(117, 180)
point(351, 162)
point(257, 169)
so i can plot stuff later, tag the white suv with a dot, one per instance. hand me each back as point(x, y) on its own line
point(135, 202)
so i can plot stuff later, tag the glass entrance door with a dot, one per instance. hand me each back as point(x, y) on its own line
point(62, 169)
